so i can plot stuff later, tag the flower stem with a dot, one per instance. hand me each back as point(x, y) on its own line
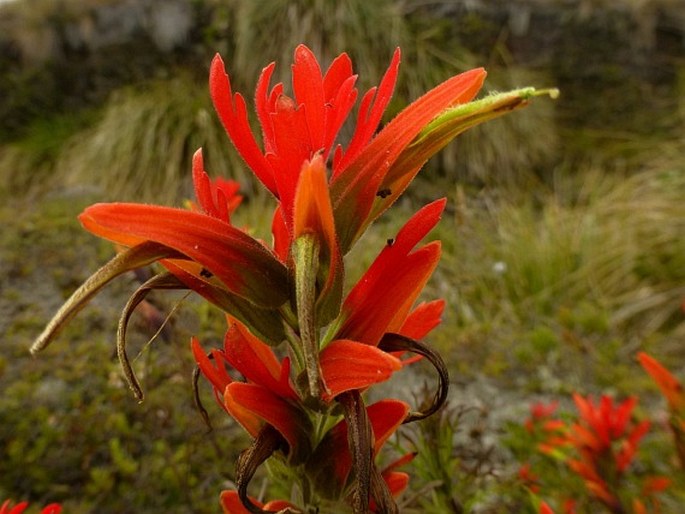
point(306, 256)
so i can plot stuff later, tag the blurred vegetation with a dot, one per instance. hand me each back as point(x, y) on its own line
point(563, 248)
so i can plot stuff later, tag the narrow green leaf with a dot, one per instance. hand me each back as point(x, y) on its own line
point(160, 281)
point(135, 257)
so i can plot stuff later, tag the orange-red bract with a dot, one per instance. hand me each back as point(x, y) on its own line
point(381, 301)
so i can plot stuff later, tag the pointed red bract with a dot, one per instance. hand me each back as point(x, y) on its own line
point(292, 149)
point(249, 402)
point(371, 110)
point(266, 406)
point(669, 385)
point(313, 215)
point(309, 93)
point(242, 264)
point(370, 366)
point(218, 197)
point(422, 319)
point(233, 114)
point(256, 361)
point(383, 297)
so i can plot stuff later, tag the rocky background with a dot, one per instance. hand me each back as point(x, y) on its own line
point(60, 55)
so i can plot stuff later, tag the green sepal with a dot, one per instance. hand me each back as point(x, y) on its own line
point(440, 131)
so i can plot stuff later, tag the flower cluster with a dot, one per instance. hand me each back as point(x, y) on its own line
point(598, 447)
point(298, 353)
point(605, 441)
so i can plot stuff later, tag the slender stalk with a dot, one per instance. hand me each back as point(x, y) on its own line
point(306, 253)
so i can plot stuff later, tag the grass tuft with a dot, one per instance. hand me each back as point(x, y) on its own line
point(592, 270)
point(141, 147)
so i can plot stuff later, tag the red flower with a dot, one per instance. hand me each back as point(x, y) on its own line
point(6, 508)
point(606, 441)
point(295, 130)
point(326, 195)
point(268, 395)
point(603, 424)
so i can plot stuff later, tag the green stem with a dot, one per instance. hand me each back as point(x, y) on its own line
point(306, 254)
